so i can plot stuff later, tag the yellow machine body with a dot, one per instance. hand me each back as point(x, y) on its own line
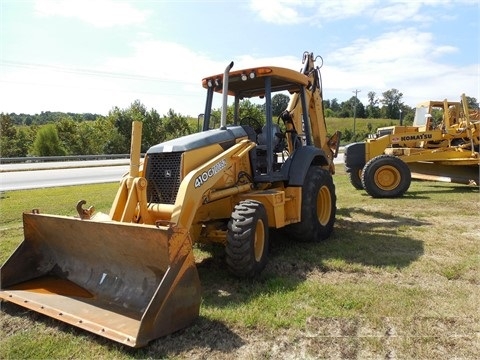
point(449, 151)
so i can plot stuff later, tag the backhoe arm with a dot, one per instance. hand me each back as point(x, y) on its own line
point(295, 125)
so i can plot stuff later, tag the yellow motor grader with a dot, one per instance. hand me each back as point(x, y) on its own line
point(386, 162)
point(130, 275)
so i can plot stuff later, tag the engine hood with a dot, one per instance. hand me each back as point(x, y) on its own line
point(201, 139)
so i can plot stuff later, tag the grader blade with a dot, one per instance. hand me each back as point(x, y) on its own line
point(127, 282)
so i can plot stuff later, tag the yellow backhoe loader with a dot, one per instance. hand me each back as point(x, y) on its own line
point(386, 162)
point(130, 275)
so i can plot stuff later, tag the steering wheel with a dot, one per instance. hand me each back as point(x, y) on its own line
point(252, 122)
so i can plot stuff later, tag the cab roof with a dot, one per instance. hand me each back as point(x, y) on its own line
point(254, 85)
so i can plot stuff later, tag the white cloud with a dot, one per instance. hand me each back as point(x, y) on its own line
point(322, 11)
point(278, 11)
point(408, 60)
point(400, 11)
point(406, 43)
point(99, 13)
point(341, 9)
point(163, 74)
point(303, 11)
point(163, 60)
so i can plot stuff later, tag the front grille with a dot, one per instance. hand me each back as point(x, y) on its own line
point(163, 176)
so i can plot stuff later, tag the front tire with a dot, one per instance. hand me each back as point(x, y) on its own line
point(386, 176)
point(247, 239)
point(319, 205)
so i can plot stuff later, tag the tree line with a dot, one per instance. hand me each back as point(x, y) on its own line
point(57, 133)
point(388, 106)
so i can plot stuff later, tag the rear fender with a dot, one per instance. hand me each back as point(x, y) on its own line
point(300, 162)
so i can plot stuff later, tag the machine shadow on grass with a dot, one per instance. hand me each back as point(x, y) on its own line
point(204, 335)
point(438, 188)
point(358, 245)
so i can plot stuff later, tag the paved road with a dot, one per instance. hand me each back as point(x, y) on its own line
point(42, 175)
point(52, 174)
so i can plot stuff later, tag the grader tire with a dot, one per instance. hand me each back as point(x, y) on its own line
point(355, 177)
point(247, 239)
point(319, 205)
point(386, 176)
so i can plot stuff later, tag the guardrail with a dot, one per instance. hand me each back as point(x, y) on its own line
point(35, 159)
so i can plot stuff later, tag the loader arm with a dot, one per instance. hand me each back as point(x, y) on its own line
point(198, 183)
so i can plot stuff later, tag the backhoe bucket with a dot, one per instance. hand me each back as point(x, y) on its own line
point(127, 282)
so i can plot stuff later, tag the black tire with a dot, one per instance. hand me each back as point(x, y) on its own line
point(386, 176)
point(319, 205)
point(247, 239)
point(355, 177)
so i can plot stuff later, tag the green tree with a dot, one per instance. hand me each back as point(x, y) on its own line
point(392, 103)
point(335, 106)
point(372, 110)
point(7, 138)
point(352, 107)
point(175, 125)
point(329, 113)
point(122, 118)
point(155, 129)
point(407, 114)
point(79, 137)
point(24, 141)
point(248, 109)
point(279, 103)
point(47, 142)
point(152, 130)
point(472, 103)
point(116, 143)
point(332, 108)
point(123, 124)
point(217, 115)
point(88, 141)
point(68, 133)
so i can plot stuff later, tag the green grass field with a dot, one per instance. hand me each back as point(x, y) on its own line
point(361, 125)
point(399, 278)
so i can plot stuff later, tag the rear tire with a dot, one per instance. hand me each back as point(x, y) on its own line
point(247, 239)
point(319, 205)
point(386, 176)
point(355, 177)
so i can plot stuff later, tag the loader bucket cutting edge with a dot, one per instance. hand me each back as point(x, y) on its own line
point(127, 282)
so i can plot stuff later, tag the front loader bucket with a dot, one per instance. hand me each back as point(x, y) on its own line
point(127, 282)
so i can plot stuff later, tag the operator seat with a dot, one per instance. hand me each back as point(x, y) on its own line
point(262, 137)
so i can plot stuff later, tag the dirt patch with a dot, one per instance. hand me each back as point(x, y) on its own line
point(325, 338)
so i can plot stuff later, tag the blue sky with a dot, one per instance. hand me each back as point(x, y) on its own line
point(92, 55)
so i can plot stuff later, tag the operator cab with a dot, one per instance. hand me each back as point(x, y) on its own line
point(258, 85)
